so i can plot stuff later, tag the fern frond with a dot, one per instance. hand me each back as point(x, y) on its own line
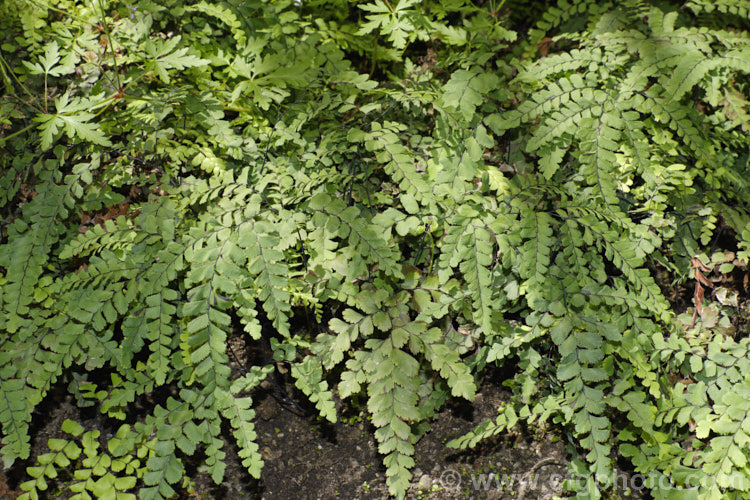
point(392, 401)
point(203, 343)
point(260, 241)
point(153, 324)
point(581, 371)
point(365, 238)
point(506, 419)
point(15, 416)
point(588, 59)
point(468, 246)
point(164, 470)
point(308, 377)
point(557, 15)
point(465, 91)
point(100, 473)
point(238, 411)
point(224, 15)
point(29, 246)
point(353, 326)
point(537, 231)
point(733, 7)
point(398, 161)
point(678, 119)
point(447, 363)
point(559, 94)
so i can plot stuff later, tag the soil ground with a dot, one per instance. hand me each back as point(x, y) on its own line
point(307, 459)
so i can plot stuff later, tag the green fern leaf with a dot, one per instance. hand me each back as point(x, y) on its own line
point(506, 419)
point(164, 470)
point(308, 377)
point(733, 7)
point(468, 246)
point(392, 401)
point(447, 362)
point(15, 415)
point(225, 15)
point(399, 163)
point(465, 91)
point(240, 415)
point(260, 240)
point(366, 238)
point(30, 245)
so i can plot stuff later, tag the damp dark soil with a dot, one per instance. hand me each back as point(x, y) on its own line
point(310, 459)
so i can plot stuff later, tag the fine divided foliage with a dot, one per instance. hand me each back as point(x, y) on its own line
point(390, 197)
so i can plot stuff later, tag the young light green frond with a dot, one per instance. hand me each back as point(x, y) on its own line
point(728, 7)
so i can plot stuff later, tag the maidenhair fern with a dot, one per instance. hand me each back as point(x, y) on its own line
point(391, 204)
point(611, 120)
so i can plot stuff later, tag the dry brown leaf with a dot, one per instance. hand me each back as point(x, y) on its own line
point(702, 279)
point(698, 299)
point(544, 45)
point(696, 263)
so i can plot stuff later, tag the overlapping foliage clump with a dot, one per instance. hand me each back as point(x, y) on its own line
point(393, 196)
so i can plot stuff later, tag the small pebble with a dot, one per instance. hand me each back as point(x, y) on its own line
point(425, 482)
